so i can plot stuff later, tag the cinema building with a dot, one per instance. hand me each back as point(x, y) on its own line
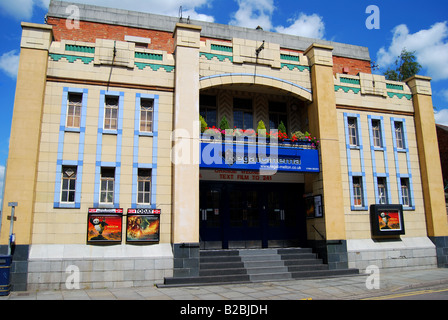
point(115, 177)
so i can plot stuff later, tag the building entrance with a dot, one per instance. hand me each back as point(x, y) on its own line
point(245, 215)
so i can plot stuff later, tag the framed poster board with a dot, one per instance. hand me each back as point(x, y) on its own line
point(143, 225)
point(104, 225)
point(386, 219)
point(318, 209)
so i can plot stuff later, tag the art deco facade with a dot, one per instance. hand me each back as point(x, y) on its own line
point(106, 127)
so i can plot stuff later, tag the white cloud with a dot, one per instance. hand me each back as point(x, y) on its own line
point(311, 26)
point(9, 63)
point(18, 9)
point(441, 117)
point(254, 13)
point(430, 46)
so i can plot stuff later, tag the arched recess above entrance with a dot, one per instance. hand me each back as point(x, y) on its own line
point(247, 80)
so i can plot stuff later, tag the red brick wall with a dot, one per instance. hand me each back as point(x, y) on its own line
point(90, 31)
point(354, 66)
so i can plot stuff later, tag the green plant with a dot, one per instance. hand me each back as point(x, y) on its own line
point(300, 135)
point(261, 129)
point(281, 127)
point(203, 123)
point(224, 124)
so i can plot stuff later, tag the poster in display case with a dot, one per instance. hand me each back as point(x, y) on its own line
point(104, 225)
point(143, 225)
point(386, 219)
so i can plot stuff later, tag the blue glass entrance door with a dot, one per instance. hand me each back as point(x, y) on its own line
point(211, 213)
point(285, 221)
point(262, 214)
point(245, 216)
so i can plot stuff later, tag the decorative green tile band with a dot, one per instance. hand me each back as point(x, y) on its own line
point(71, 59)
point(153, 66)
point(347, 89)
point(289, 57)
point(220, 57)
point(350, 80)
point(399, 95)
point(72, 47)
point(394, 86)
point(149, 56)
point(218, 47)
point(292, 66)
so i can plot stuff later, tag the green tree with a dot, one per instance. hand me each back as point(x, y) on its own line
point(224, 124)
point(405, 67)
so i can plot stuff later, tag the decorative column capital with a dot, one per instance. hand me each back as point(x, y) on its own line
point(419, 85)
point(319, 54)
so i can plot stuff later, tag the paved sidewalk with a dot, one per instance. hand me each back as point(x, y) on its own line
point(341, 288)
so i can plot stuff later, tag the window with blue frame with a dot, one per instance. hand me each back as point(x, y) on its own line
point(358, 199)
point(111, 113)
point(144, 186)
point(376, 133)
point(74, 107)
point(68, 184)
point(405, 194)
point(107, 182)
point(352, 124)
point(146, 115)
point(399, 137)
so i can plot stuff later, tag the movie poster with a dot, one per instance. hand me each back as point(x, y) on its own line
point(104, 227)
point(389, 220)
point(142, 227)
point(309, 205)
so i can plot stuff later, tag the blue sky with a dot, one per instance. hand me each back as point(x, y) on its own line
point(417, 26)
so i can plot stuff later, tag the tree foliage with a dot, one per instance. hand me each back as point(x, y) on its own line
point(405, 67)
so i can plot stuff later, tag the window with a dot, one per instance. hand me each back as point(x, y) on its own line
point(242, 114)
point(107, 185)
point(376, 133)
point(353, 131)
point(405, 195)
point(74, 110)
point(146, 113)
point(382, 191)
point(277, 114)
point(357, 191)
point(68, 184)
point(111, 113)
point(399, 138)
point(144, 186)
point(208, 110)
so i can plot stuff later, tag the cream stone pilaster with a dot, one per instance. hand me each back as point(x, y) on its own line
point(186, 135)
point(322, 120)
point(20, 180)
point(428, 151)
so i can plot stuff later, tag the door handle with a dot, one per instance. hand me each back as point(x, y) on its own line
point(204, 215)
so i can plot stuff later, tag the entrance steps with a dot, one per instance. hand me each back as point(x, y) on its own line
point(257, 265)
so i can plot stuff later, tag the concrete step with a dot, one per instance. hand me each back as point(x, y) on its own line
point(254, 265)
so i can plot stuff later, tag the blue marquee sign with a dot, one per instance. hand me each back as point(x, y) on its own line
point(258, 157)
